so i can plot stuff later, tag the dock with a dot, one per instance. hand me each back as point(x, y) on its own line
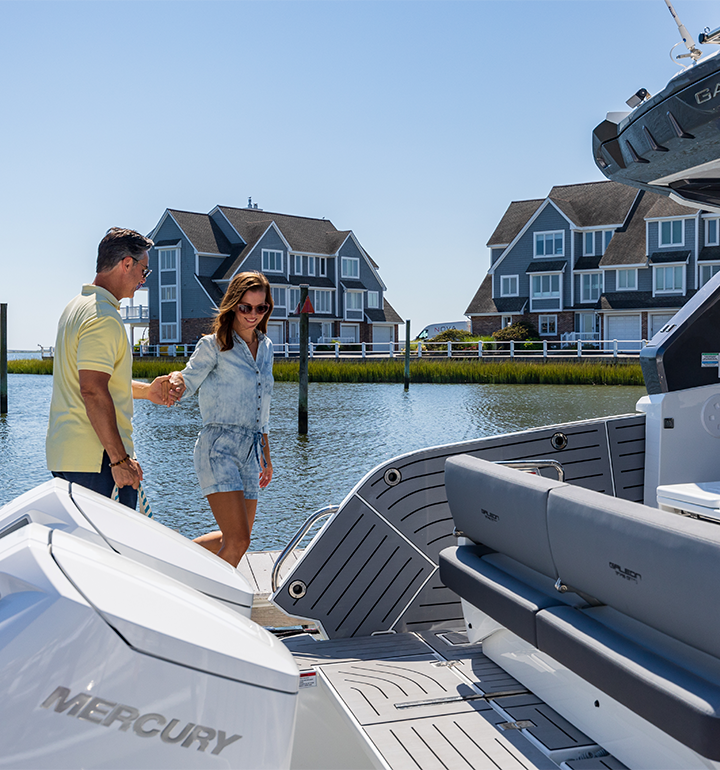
point(257, 567)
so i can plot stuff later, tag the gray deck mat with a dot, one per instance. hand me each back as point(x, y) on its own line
point(376, 568)
point(410, 695)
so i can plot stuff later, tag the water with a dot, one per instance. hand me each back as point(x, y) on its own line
point(353, 428)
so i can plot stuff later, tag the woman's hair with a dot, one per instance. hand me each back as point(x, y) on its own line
point(242, 282)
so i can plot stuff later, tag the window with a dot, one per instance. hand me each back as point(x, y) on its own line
point(353, 303)
point(298, 264)
point(544, 286)
point(707, 272)
point(590, 287)
point(293, 299)
point(323, 301)
point(671, 232)
point(279, 298)
point(711, 232)
point(168, 281)
point(505, 321)
point(607, 237)
point(322, 266)
point(547, 324)
point(373, 299)
point(327, 329)
point(550, 244)
point(350, 267)
point(588, 244)
point(272, 261)
point(508, 286)
point(311, 265)
point(626, 280)
point(669, 279)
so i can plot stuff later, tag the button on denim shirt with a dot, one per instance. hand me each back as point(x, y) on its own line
point(236, 388)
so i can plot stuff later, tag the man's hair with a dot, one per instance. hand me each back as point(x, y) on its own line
point(119, 243)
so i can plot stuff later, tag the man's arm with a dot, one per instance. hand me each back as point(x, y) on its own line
point(158, 391)
point(101, 413)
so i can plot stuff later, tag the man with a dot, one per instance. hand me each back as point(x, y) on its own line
point(89, 438)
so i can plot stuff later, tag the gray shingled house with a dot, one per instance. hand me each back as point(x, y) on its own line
point(595, 261)
point(196, 255)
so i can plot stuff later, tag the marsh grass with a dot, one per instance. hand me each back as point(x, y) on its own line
point(392, 370)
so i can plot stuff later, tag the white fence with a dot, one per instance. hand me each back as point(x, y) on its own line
point(490, 350)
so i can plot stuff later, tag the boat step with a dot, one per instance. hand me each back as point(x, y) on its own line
point(256, 567)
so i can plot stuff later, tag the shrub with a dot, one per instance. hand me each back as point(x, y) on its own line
point(452, 335)
point(524, 329)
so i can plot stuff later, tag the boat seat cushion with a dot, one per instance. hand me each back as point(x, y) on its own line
point(670, 697)
point(509, 601)
point(503, 508)
point(650, 564)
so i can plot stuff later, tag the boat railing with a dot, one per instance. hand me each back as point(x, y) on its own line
point(534, 466)
point(322, 513)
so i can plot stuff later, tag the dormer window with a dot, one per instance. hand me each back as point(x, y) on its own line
point(589, 244)
point(672, 232)
point(508, 286)
point(607, 237)
point(550, 244)
point(349, 267)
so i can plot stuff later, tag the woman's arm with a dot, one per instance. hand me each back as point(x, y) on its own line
point(201, 363)
point(267, 471)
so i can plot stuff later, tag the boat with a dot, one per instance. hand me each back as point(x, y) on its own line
point(539, 599)
point(669, 142)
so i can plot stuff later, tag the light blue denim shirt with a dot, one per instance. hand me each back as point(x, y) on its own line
point(235, 388)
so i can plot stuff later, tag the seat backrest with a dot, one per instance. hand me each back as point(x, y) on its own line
point(502, 508)
point(658, 567)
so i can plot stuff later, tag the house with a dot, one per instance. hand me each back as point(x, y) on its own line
point(196, 255)
point(595, 261)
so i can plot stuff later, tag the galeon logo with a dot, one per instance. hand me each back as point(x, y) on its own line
point(88, 708)
point(490, 516)
point(707, 94)
point(626, 574)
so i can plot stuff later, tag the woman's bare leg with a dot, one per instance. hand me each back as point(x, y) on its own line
point(235, 516)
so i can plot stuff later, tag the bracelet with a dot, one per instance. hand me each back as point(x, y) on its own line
point(120, 462)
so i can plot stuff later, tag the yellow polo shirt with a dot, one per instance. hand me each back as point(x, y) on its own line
point(91, 335)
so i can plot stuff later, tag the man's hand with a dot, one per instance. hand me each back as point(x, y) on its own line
point(127, 474)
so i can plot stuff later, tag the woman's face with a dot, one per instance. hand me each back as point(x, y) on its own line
point(246, 322)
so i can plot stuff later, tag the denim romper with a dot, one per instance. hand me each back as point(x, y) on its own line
point(234, 397)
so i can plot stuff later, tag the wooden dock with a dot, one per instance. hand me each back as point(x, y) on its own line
point(257, 567)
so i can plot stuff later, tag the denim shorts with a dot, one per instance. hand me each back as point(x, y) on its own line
point(227, 460)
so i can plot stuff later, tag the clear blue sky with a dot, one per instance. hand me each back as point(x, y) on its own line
point(414, 124)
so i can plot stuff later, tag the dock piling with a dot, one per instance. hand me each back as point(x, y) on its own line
point(407, 355)
point(3, 359)
point(305, 308)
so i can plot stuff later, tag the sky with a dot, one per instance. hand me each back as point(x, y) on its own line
point(413, 124)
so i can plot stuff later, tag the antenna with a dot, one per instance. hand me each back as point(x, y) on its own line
point(693, 52)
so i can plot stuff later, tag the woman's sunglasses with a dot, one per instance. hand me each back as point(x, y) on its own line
point(244, 309)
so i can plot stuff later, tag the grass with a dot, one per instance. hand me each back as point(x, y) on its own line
point(393, 370)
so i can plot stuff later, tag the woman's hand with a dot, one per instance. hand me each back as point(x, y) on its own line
point(266, 474)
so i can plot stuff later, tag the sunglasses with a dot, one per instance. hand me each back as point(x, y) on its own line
point(244, 309)
point(146, 270)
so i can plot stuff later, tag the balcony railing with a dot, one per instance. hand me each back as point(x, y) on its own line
point(134, 313)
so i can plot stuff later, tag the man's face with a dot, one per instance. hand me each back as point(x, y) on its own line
point(136, 273)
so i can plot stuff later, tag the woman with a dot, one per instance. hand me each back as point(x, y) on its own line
point(232, 368)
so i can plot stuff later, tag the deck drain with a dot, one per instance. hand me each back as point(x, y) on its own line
point(297, 589)
point(392, 477)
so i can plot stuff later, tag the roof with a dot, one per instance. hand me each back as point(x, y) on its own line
point(483, 301)
point(594, 204)
point(203, 233)
point(636, 300)
point(386, 315)
point(661, 257)
point(513, 221)
point(627, 246)
point(666, 207)
point(547, 266)
point(709, 254)
point(588, 263)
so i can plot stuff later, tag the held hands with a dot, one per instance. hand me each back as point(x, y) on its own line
point(177, 386)
point(161, 390)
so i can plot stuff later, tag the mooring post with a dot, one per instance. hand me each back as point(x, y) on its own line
point(304, 342)
point(3, 359)
point(407, 355)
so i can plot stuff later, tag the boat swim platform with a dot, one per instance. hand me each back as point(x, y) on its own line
point(434, 701)
point(256, 567)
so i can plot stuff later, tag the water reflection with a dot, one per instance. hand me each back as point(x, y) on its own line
point(352, 428)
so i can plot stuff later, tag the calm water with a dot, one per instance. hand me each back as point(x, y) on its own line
point(353, 428)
